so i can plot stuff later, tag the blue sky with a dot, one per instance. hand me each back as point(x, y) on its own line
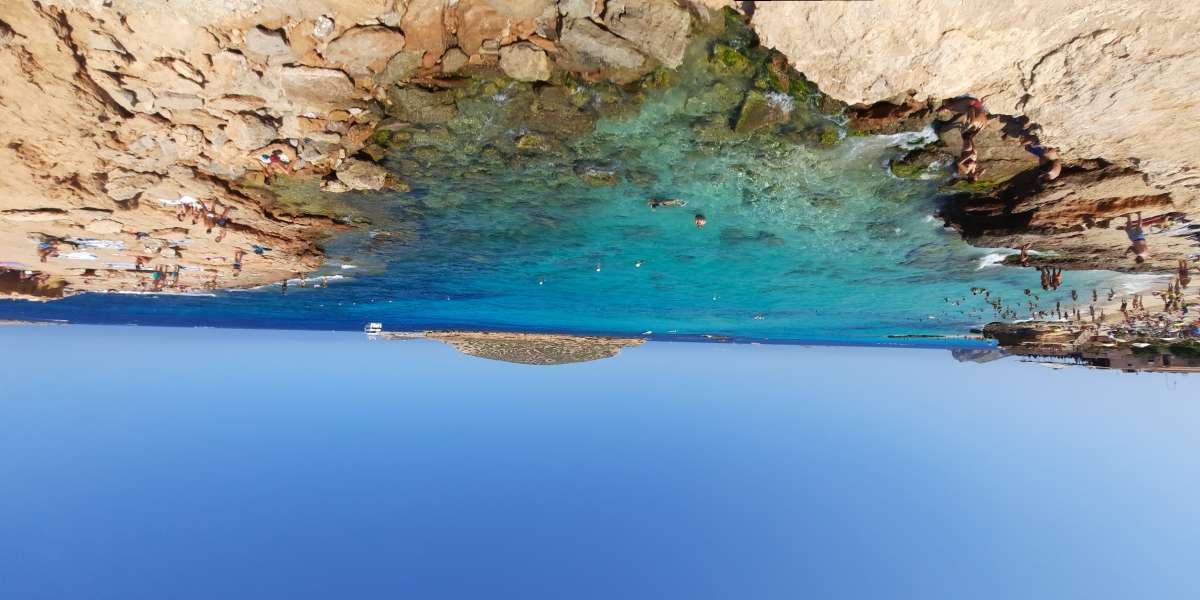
point(193, 463)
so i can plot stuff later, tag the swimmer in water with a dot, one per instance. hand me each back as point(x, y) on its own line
point(654, 203)
point(700, 221)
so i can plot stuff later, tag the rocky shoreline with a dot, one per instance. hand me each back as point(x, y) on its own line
point(154, 109)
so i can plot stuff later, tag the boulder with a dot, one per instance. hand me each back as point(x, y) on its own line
point(400, 67)
point(453, 60)
point(581, 9)
point(423, 27)
point(588, 47)
point(763, 110)
point(248, 132)
point(525, 62)
point(719, 98)
point(361, 175)
point(313, 88)
point(659, 28)
point(362, 50)
point(419, 106)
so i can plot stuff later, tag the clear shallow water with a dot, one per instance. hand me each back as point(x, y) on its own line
point(803, 241)
point(146, 463)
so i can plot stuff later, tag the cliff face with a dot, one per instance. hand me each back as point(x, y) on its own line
point(118, 113)
point(1112, 85)
point(1115, 80)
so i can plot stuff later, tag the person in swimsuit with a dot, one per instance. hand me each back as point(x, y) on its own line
point(967, 167)
point(1024, 258)
point(1048, 159)
point(700, 221)
point(668, 202)
point(1185, 276)
point(975, 118)
point(1137, 239)
point(237, 262)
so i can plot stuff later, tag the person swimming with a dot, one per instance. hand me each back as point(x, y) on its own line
point(654, 203)
point(700, 221)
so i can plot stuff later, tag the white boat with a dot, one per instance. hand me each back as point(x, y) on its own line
point(373, 328)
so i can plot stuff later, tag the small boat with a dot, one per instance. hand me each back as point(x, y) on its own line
point(373, 328)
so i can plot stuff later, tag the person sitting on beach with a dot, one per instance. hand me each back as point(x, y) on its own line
point(47, 249)
point(700, 221)
point(1137, 239)
point(1185, 276)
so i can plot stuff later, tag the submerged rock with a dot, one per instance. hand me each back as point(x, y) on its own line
point(761, 110)
point(361, 175)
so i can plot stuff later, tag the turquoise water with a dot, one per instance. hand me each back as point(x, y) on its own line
point(529, 211)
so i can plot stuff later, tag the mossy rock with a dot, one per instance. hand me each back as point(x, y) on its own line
point(719, 98)
point(737, 33)
point(979, 186)
point(727, 60)
point(830, 136)
point(659, 79)
point(758, 112)
point(531, 141)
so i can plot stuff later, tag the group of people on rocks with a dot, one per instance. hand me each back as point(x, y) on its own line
point(213, 216)
point(974, 118)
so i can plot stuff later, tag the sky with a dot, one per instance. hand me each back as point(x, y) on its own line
point(142, 462)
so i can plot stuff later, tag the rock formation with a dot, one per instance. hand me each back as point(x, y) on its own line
point(1107, 81)
point(118, 113)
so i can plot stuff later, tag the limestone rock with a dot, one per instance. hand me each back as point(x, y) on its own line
point(311, 87)
point(104, 226)
point(419, 106)
point(423, 27)
point(453, 60)
point(525, 62)
point(361, 175)
point(266, 42)
point(400, 67)
point(364, 49)
point(248, 132)
point(589, 47)
point(581, 9)
point(659, 28)
point(1108, 79)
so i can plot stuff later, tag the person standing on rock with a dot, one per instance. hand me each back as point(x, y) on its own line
point(1185, 276)
point(967, 167)
point(1137, 239)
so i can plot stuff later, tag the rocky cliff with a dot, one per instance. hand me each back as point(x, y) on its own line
point(1112, 81)
point(142, 136)
point(139, 135)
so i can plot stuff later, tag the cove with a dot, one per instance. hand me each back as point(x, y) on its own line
point(529, 211)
